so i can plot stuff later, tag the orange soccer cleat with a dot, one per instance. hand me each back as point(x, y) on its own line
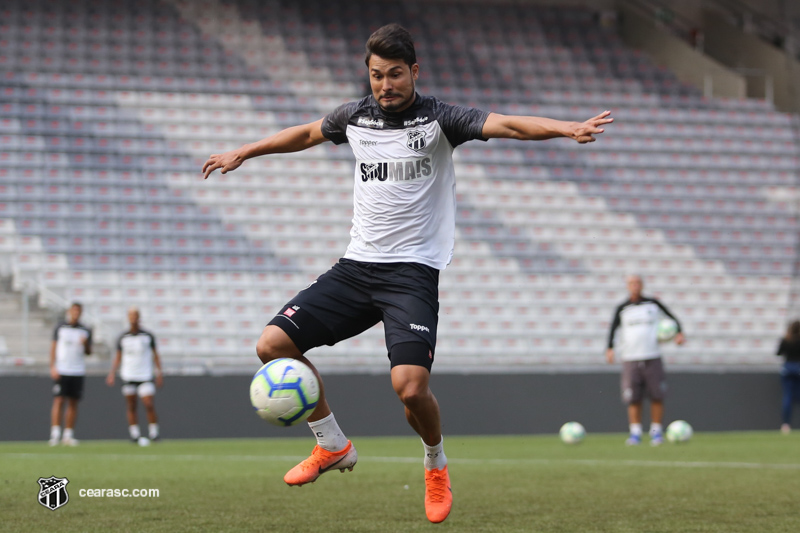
point(320, 462)
point(438, 494)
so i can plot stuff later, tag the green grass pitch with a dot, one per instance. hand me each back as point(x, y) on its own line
point(722, 482)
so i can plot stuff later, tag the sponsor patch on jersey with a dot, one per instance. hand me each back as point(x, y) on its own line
point(376, 123)
point(400, 170)
point(416, 139)
point(289, 312)
point(415, 121)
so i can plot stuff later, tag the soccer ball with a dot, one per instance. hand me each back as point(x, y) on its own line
point(667, 329)
point(284, 392)
point(143, 441)
point(679, 431)
point(572, 433)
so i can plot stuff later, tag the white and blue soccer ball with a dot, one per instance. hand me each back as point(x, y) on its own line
point(679, 431)
point(572, 433)
point(667, 329)
point(284, 392)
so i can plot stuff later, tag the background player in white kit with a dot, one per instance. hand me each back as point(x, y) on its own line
point(642, 368)
point(403, 234)
point(138, 363)
point(72, 341)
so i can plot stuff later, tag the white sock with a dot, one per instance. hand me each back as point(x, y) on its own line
point(68, 434)
point(434, 456)
point(636, 429)
point(329, 435)
point(134, 432)
point(152, 430)
point(655, 428)
point(55, 432)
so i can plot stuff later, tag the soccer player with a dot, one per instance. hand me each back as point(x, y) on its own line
point(72, 341)
point(402, 235)
point(136, 357)
point(642, 367)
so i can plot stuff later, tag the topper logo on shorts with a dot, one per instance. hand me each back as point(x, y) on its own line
point(53, 492)
point(417, 327)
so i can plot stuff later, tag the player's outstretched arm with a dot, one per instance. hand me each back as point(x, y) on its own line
point(292, 139)
point(540, 128)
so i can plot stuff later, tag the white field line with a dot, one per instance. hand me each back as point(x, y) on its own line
point(499, 462)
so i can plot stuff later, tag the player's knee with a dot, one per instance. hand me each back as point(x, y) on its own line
point(274, 343)
point(268, 347)
point(412, 393)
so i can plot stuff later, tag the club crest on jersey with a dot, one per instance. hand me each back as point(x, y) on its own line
point(53, 492)
point(416, 139)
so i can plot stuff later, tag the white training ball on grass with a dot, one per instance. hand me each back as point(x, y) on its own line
point(572, 433)
point(679, 431)
point(143, 441)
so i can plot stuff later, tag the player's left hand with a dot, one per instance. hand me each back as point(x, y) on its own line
point(225, 162)
point(584, 132)
point(680, 339)
point(160, 380)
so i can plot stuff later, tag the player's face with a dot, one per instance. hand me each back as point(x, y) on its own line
point(74, 314)
point(133, 318)
point(392, 82)
point(635, 286)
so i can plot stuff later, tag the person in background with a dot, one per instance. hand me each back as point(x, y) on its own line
point(637, 319)
point(789, 348)
point(140, 369)
point(72, 341)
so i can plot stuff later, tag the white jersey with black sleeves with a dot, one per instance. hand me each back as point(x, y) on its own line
point(638, 328)
point(404, 200)
point(137, 355)
point(71, 343)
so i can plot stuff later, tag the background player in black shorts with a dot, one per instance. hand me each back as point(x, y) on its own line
point(403, 235)
point(72, 341)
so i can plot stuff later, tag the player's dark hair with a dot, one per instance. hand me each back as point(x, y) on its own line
point(793, 332)
point(77, 304)
point(391, 42)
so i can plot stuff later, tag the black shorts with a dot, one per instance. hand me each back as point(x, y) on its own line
point(69, 386)
point(353, 296)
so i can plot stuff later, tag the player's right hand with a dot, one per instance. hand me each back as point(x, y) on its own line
point(225, 162)
point(54, 374)
point(110, 380)
point(610, 355)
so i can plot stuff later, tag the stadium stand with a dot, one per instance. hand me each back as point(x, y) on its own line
point(107, 111)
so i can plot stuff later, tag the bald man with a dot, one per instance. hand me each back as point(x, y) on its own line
point(643, 375)
point(138, 361)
